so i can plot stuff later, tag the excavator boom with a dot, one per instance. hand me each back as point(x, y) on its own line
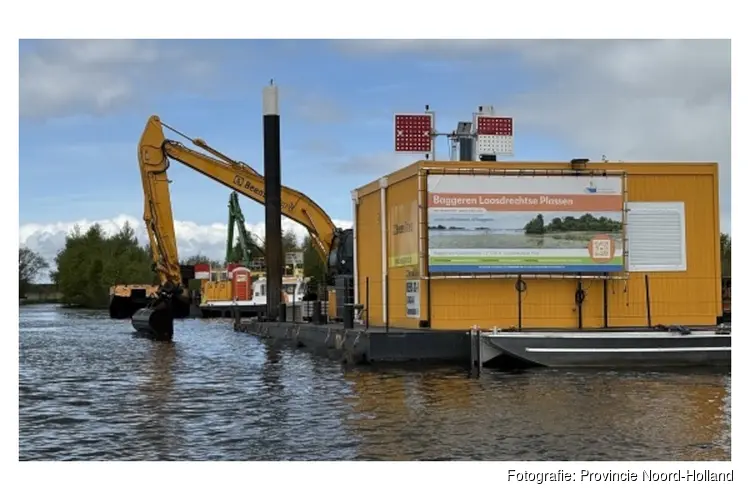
point(155, 152)
point(243, 179)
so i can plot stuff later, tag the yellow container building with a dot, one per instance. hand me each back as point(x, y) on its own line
point(450, 245)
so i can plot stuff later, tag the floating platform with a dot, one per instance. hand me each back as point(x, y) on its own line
point(228, 309)
point(248, 309)
point(363, 346)
point(626, 348)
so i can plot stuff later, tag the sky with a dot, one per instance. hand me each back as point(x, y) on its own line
point(84, 103)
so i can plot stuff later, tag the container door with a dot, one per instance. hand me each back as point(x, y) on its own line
point(241, 282)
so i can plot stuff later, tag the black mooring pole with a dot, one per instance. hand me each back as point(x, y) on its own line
point(272, 174)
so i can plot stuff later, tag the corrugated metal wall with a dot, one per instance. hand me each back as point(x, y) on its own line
point(691, 297)
point(402, 194)
point(369, 256)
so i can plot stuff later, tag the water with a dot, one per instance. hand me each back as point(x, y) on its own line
point(89, 390)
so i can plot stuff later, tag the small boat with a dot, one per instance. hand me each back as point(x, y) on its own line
point(293, 287)
point(673, 346)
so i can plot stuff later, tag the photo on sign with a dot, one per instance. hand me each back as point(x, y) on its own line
point(517, 224)
point(565, 230)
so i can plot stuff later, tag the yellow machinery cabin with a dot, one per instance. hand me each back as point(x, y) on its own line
point(217, 288)
point(432, 245)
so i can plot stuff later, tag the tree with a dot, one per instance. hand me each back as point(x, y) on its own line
point(313, 265)
point(199, 258)
point(586, 222)
point(289, 242)
point(536, 225)
point(30, 264)
point(725, 246)
point(91, 262)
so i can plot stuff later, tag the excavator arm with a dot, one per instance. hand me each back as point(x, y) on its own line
point(243, 179)
point(157, 319)
point(157, 216)
point(155, 152)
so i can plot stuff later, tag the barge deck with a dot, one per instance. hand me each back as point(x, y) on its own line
point(364, 345)
point(476, 349)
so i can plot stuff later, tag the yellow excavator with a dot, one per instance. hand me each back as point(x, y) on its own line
point(335, 245)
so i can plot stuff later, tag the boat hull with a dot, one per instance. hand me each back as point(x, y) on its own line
point(615, 350)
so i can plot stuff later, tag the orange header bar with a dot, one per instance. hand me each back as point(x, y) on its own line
point(529, 202)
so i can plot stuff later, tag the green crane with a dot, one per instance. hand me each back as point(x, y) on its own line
point(247, 243)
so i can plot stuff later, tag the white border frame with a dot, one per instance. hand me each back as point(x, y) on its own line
point(678, 206)
point(441, 480)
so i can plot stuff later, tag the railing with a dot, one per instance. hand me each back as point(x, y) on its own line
point(643, 300)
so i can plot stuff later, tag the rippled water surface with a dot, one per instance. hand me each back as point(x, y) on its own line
point(89, 390)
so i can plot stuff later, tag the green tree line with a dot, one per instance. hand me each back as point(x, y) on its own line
point(91, 262)
point(586, 222)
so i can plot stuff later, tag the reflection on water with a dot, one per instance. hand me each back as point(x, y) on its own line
point(89, 390)
point(543, 415)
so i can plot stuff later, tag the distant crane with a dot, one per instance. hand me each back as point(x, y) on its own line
point(247, 242)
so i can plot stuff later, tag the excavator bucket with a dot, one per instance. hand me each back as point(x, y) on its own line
point(156, 322)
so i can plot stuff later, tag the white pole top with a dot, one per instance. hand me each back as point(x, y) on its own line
point(271, 100)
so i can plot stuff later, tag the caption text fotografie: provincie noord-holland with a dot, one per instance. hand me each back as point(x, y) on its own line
point(686, 475)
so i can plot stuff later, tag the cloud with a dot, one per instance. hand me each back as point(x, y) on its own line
point(376, 164)
point(438, 48)
point(661, 100)
point(312, 105)
point(192, 238)
point(318, 109)
point(64, 78)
